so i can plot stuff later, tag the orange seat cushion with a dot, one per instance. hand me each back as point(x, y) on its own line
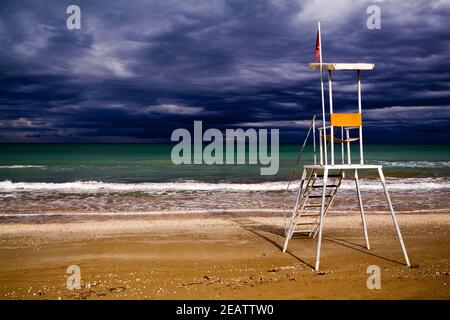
point(346, 119)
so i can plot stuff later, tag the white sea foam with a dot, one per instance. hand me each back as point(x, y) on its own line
point(393, 164)
point(191, 186)
point(414, 164)
point(21, 166)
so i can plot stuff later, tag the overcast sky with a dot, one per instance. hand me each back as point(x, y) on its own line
point(139, 69)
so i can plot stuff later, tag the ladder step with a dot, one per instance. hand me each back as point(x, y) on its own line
point(310, 215)
point(306, 223)
point(318, 205)
point(303, 231)
point(330, 175)
point(328, 186)
point(319, 196)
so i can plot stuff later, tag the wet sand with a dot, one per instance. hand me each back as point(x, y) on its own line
point(222, 256)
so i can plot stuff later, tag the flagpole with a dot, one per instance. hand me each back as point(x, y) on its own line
point(323, 96)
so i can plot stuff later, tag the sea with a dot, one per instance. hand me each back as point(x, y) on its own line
point(136, 179)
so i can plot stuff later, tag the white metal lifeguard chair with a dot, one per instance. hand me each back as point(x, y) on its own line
point(326, 176)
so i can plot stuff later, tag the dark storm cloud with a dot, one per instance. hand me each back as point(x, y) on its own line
point(139, 69)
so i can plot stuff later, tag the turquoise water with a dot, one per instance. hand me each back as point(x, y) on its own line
point(134, 163)
point(95, 178)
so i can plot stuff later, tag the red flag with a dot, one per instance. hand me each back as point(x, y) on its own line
point(317, 46)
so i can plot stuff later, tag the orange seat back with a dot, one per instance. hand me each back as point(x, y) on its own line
point(346, 119)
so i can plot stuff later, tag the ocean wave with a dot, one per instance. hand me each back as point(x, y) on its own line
point(20, 166)
point(388, 164)
point(414, 164)
point(97, 186)
point(192, 186)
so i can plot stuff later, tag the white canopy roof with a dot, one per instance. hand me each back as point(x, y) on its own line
point(342, 66)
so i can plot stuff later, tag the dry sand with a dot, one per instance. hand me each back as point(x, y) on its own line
point(228, 256)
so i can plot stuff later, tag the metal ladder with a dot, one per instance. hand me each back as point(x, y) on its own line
point(305, 216)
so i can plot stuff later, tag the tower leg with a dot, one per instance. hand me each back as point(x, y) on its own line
point(394, 218)
point(361, 209)
point(290, 230)
point(322, 217)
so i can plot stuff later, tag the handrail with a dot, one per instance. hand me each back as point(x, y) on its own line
point(313, 128)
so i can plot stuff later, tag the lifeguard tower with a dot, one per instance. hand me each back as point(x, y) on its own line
point(321, 180)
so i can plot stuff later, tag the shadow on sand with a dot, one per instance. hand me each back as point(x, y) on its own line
point(260, 230)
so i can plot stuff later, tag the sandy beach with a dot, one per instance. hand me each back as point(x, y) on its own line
point(221, 256)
